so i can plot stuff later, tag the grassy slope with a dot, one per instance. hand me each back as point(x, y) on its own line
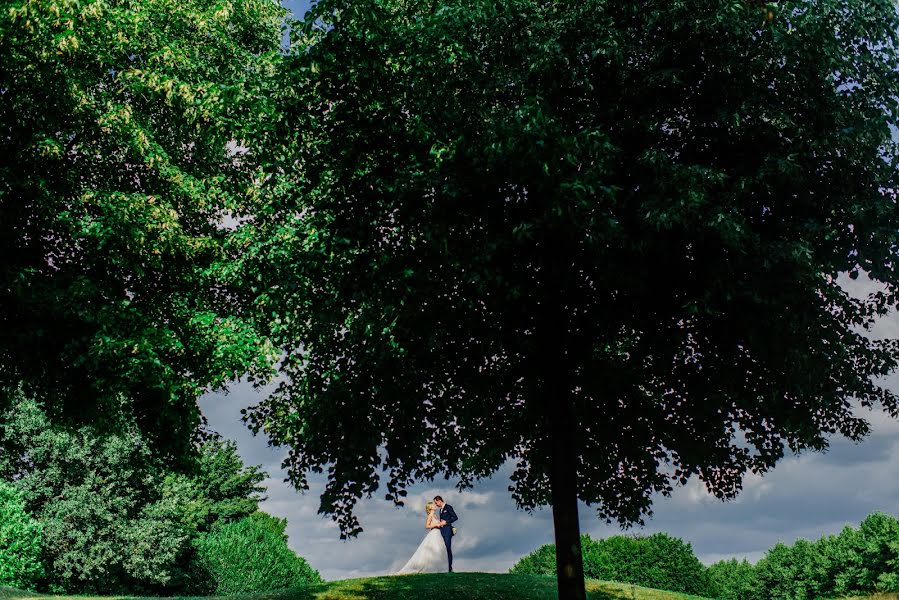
point(458, 586)
point(469, 586)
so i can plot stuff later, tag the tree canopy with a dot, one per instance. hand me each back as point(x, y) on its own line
point(600, 240)
point(124, 129)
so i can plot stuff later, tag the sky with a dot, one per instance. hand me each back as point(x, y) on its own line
point(806, 496)
point(297, 7)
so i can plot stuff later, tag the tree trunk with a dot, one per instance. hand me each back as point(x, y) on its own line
point(558, 407)
point(563, 482)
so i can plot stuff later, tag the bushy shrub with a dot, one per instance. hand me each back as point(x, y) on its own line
point(20, 541)
point(658, 561)
point(541, 561)
point(732, 580)
point(250, 555)
point(101, 535)
point(115, 519)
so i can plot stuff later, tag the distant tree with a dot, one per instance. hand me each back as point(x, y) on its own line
point(124, 131)
point(542, 561)
point(20, 541)
point(788, 572)
point(656, 561)
point(867, 558)
point(732, 580)
point(599, 240)
point(251, 555)
point(857, 561)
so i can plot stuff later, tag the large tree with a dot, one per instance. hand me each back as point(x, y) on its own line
point(601, 240)
point(124, 128)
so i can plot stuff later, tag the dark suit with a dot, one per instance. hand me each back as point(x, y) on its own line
point(449, 515)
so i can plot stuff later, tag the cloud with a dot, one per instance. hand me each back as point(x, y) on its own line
point(807, 496)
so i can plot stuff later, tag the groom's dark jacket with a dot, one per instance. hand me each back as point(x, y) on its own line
point(449, 515)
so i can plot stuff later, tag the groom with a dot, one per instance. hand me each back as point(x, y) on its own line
point(447, 517)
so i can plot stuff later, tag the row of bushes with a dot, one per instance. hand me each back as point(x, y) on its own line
point(86, 511)
point(854, 562)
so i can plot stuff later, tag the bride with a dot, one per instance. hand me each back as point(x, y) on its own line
point(431, 554)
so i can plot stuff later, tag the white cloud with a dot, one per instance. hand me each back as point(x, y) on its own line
point(805, 496)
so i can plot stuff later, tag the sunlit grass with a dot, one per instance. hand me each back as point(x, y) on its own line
point(456, 586)
point(459, 586)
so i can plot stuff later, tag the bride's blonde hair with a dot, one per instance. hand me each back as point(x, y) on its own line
point(429, 507)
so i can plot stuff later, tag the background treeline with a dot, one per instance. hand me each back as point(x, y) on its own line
point(95, 512)
point(856, 561)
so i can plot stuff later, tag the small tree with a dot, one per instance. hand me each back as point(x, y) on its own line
point(598, 240)
point(733, 580)
point(20, 541)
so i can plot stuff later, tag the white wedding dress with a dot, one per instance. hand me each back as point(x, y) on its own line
point(430, 557)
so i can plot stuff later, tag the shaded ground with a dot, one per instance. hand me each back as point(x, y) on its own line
point(458, 586)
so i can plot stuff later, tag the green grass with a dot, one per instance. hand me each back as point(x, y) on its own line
point(458, 586)
point(443, 586)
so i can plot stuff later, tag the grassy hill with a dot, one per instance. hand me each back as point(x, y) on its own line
point(461, 586)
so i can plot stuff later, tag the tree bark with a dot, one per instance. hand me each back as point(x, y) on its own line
point(563, 483)
point(558, 408)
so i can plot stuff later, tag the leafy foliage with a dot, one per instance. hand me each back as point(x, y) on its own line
point(117, 128)
point(857, 561)
point(114, 518)
point(219, 489)
point(600, 241)
point(732, 580)
point(20, 541)
point(251, 555)
point(90, 493)
point(523, 230)
point(656, 561)
point(542, 561)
